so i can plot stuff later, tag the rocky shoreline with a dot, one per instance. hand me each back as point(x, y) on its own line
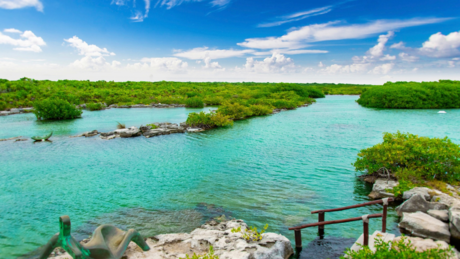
point(226, 244)
point(425, 213)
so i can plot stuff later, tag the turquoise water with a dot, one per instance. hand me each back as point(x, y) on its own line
point(274, 169)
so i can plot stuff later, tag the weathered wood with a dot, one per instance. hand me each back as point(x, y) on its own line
point(298, 238)
point(352, 206)
point(334, 222)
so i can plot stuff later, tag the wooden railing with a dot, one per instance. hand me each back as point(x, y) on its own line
point(321, 223)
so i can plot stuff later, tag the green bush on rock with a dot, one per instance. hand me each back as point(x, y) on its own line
point(94, 106)
point(411, 157)
point(55, 109)
point(400, 249)
point(208, 120)
point(235, 110)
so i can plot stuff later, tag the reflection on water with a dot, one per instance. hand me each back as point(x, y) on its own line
point(273, 169)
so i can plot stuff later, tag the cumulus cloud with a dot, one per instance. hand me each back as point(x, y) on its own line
point(94, 56)
point(298, 38)
point(400, 45)
point(442, 46)
point(297, 16)
point(382, 69)
point(28, 41)
point(377, 50)
point(388, 57)
point(277, 63)
point(290, 52)
point(345, 69)
point(88, 50)
point(18, 4)
point(407, 58)
point(205, 52)
point(162, 64)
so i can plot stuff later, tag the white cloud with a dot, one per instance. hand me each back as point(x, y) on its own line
point(290, 52)
point(406, 57)
point(209, 64)
point(377, 50)
point(205, 52)
point(12, 30)
point(17, 4)
point(277, 63)
point(345, 69)
point(119, 2)
point(320, 64)
point(29, 41)
point(88, 50)
point(399, 45)
point(388, 57)
point(94, 56)
point(297, 16)
point(382, 69)
point(332, 31)
point(171, 3)
point(441, 46)
point(163, 64)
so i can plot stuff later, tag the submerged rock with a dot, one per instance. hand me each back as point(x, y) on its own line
point(423, 225)
point(418, 203)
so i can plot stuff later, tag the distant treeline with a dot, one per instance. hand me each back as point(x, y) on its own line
point(24, 92)
point(413, 95)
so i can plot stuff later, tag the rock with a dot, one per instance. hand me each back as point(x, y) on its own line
point(454, 222)
point(423, 225)
point(90, 133)
point(113, 106)
point(227, 245)
point(124, 106)
point(380, 187)
point(108, 135)
point(156, 132)
point(418, 203)
point(21, 139)
point(194, 129)
point(183, 124)
point(129, 133)
point(6, 139)
point(442, 215)
point(424, 191)
point(14, 111)
point(145, 128)
point(446, 199)
point(141, 106)
point(4, 113)
point(422, 245)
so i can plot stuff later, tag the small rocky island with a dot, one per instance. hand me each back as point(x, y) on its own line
point(226, 244)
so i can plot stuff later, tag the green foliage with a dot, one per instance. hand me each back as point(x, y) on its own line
point(209, 255)
point(55, 109)
point(251, 234)
point(3, 105)
point(401, 249)
point(413, 95)
point(213, 100)
point(94, 106)
point(259, 110)
point(410, 156)
point(208, 120)
point(153, 126)
point(194, 102)
point(235, 110)
point(404, 185)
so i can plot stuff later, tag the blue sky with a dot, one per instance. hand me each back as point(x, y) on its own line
point(353, 41)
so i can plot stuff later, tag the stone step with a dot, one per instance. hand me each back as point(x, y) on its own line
point(377, 234)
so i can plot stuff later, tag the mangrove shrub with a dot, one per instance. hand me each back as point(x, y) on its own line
point(410, 156)
point(413, 95)
point(194, 102)
point(55, 109)
point(208, 120)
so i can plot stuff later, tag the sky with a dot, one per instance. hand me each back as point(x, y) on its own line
point(348, 41)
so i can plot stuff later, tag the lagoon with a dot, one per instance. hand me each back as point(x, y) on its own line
point(273, 169)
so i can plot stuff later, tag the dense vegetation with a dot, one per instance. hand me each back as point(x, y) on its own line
point(413, 160)
point(400, 249)
point(55, 109)
point(23, 92)
point(412, 95)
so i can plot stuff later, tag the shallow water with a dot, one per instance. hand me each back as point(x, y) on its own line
point(274, 169)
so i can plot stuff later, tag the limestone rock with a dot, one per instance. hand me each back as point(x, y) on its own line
point(418, 203)
point(227, 245)
point(446, 199)
point(380, 187)
point(90, 133)
point(421, 244)
point(454, 222)
point(423, 225)
point(424, 191)
point(442, 215)
point(129, 133)
point(194, 129)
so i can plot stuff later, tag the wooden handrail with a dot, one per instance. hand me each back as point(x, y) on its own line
point(321, 223)
point(335, 221)
point(352, 206)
